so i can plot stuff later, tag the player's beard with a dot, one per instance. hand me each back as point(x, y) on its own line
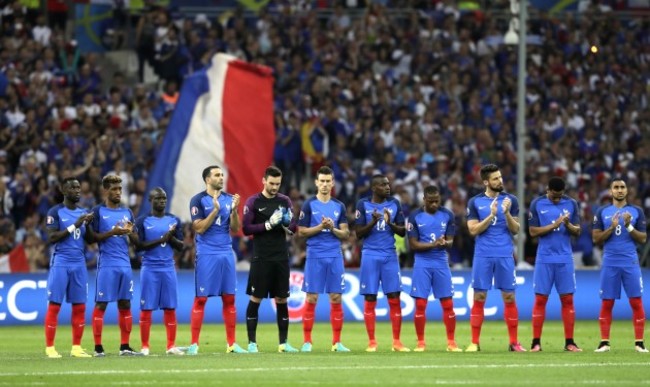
point(498, 188)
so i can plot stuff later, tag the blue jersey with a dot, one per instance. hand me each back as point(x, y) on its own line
point(426, 228)
point(496, 240)
point(324, 244)
point(620, 248)
point(217, 237)
point(150, 228)
point(114, 251)
point(71, 250)
point(555, 246)
point(381, 239)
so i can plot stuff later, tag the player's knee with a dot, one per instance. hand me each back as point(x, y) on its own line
point(200, 301)
point(124, 304)
point(480, 296)
point(101, 306)
point(312, 298)
point(228, 300)
point(335, 298)
point(280, 300)
point(393, 295)
point(370, 297)
point(508, 297)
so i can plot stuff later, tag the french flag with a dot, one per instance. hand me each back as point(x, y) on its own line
point(224, 117)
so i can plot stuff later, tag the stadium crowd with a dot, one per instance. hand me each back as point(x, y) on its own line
point(425, 96)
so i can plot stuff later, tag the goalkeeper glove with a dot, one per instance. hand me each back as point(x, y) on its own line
point(274, 220)
point(287, 215)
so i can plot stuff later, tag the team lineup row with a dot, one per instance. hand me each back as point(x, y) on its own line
point(492, 219)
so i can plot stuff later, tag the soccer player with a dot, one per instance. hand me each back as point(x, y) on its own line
point(324, 223)
point(214, 215)
point(68, 277)
point(492, 218)
point(268, 216)
point(431, 231)
point(111, 228)
point(554, 218)
point(618, 227)
point(378, 219)
point(156, 235)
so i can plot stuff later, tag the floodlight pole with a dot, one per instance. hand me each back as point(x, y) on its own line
point(521, 127)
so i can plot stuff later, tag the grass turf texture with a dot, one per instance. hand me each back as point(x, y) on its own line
point(23, 361)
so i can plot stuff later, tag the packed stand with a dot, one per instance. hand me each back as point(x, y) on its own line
point(424, 96)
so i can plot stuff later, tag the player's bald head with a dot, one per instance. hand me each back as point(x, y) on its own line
point(156, 191)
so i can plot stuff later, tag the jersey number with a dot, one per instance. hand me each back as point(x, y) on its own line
point(381, 225)
point(494, 221)
point(76, 234)
point(218, 221)
point(618, 230)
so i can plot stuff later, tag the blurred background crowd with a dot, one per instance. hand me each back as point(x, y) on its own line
point(422, 91)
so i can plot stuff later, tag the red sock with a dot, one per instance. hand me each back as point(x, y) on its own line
point(126, 324)
point(638, 317)
point(395, 310)
point(336, 318)
point(605, 318)
point(145, 327)
point(476, 320)
point(369, 317)
point(78, 322)
point(229, 314)
point(420, 317)
point(308, 321)
point(98, 325)
point(568, 315)
point(51, 321)
point(169, 318)
point(539, 315)
point(196, 320)
point(511, 315)
point(449, 317)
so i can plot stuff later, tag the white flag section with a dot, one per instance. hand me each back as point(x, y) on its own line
point(224, 117)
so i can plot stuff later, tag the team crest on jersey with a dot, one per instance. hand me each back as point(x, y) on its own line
point(195, 210)
point(245, 210)
point(50, 220)
point(301, 216)
point(336, 213)
point(357, 214)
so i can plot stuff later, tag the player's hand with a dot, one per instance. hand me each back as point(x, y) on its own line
point(494, 206)
point(386, 216)
point(627, 218)
point(215, 203)
point(440, 242)
point(327, 223)
point(505, 206)
point(84, 219)
point(616, 220)
point(169, 234)
point(375, 216)
point(287, 215)
point(276, 218)
point(235, 201)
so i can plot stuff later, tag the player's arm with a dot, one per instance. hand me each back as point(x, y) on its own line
point(398, 229)
point(55, 235)
point(117, 230)
point(343, 232)
point(235, 222)
point(599, 234)
point(201, 225)
point(248, 226)
point(363, 230)
point(476, 226)
point(638, 233)
point(537, 231)
point(416, 245)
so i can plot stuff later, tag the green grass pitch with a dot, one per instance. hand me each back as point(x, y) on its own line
point(23, 362)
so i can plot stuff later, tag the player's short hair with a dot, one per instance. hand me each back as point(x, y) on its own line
point(375, 178)
point(556, 184)
point(109, 180)
point(156, 190)
point(324, 170)
point(68, 180)
point(272, 171)
point(206, 171)
point(617, 178)
point(487, 170)
point(431, 190)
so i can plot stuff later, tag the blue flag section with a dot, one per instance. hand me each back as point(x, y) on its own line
point(92, 21)
point(23, 300)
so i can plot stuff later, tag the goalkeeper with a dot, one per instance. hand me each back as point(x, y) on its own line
point(266, 216)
